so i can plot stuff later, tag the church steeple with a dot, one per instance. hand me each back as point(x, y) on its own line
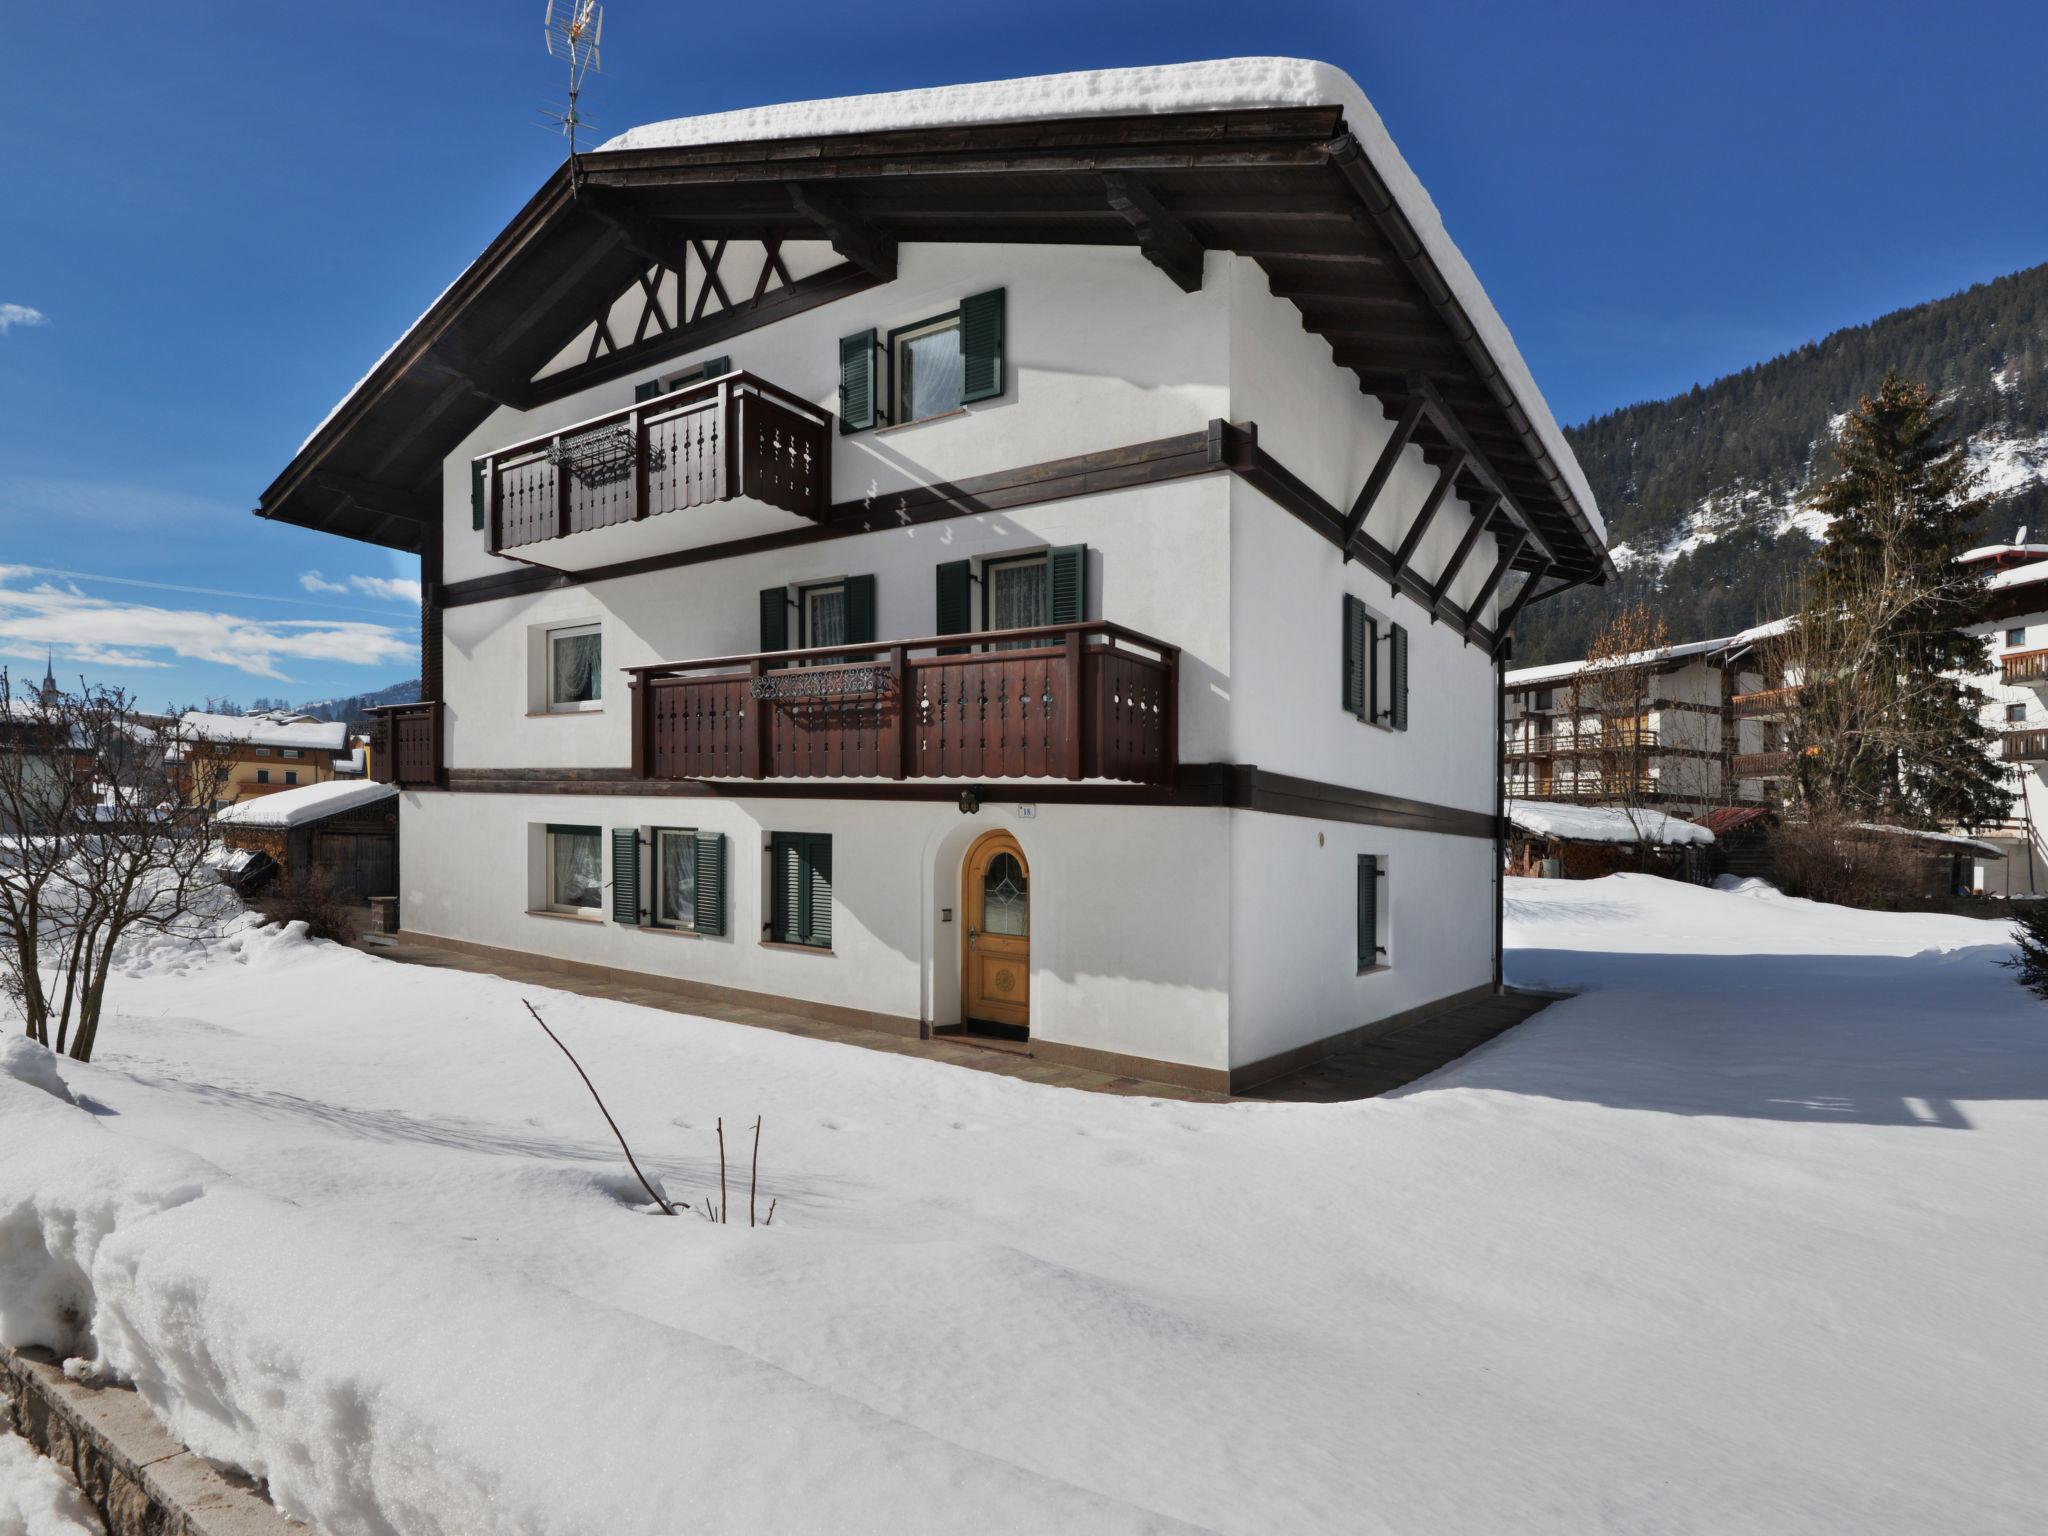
point(50, 691)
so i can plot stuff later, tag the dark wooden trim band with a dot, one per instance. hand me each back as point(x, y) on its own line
point(1232, 786)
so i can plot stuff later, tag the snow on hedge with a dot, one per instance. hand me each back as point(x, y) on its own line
point(1745, 1237)
point(309, 802)
point(1574, 823)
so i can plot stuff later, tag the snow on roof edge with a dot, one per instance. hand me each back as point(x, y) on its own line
point(309, 802)
point(1207, 85)
point(1574, 823)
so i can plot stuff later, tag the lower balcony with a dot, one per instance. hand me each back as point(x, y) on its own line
point(405, 744)
point(2024, 668)
point(1761, 765)
point(2028, 746)
point(1074, 701)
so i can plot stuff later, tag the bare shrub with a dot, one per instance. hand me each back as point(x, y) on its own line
point(328, 911)
point(1830, 859)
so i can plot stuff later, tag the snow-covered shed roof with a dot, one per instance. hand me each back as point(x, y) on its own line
point(1946, 839)
point(273, 728)
point(307, 803)
point(1289, 126)
point(1571, 823)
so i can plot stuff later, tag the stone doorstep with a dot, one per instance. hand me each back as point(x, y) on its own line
point(138, 1479)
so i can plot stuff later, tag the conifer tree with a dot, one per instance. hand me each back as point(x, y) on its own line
point(1892, 731)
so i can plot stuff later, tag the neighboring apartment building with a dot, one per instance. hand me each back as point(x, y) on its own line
point(2016, 706)
point(1023, 559)
point(263, 753)
point(1704, 731)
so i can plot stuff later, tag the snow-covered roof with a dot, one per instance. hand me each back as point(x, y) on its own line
point(2020, 575)
point(1951, 839)
point(1209, 85)
point(1602, 824)
point(309, 802)
point(273, 728)
point(2004, 552)
point(1561, 671)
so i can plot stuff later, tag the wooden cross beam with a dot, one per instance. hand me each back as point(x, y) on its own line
point(657, 244)
point(851, 235)
point(1446, 478)
point(709, 260)
point(1505, 628)
point(1508, 554)
point(1482, 514)
point(1479, 466)
point(1404, 430)
point(1165, 241)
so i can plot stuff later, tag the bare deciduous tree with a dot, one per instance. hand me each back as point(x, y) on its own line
point(1604, 731)
point(106, 834)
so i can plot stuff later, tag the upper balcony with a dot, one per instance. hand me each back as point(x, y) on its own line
point(1770, 704)
point(1073, 701)
point(725, 459)
point(2025, 668)
point(2026, 745)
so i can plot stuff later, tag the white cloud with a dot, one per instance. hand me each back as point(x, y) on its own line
point(394, 589)
point(114, 633)
point(12, 315)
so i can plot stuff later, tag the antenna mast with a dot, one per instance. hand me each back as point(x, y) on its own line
point(574, 29)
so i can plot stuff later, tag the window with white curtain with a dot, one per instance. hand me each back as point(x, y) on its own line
point(575, 870)
point(575, 662)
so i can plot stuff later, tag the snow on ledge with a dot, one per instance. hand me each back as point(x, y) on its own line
point(1573, 823)
point(309, 802)
point(1947, 839)
point(1210, 85)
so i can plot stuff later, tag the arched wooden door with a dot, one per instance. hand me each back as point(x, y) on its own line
point(995, 970)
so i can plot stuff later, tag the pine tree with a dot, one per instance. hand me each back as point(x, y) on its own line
point(1906, 743)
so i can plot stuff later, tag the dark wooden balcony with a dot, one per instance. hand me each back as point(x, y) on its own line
point(2027, 746)
point(1770, 704)
point(736, 438)
point(405, 744)
point(2029, 667)
point(1074, 701)
point(1761, 765)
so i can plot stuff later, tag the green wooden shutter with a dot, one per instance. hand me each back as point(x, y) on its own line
point(710, 856)
point(1397, 677)
point(818, 891)
point(1357, 656)
point(646, 389)
point(981, 345)
point(1368, 910)
point(476, 493)
point(857, 382)
point(713, 367)
point(860, 610)
point(784, 887)
point(626, 876)
point(956, 602)
point(1066, 584)
point(775, 618)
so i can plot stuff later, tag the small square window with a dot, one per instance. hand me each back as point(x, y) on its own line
point(262, 775)
point(928, 367)
point(291, 775)
point(2015, 712)
point(675, 877)
point(575, 878)
point(292, 752)
point(575, 663)
point(2016, 636)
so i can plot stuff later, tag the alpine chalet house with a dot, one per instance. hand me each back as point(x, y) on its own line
point(2016, 705)
point(1026, 558)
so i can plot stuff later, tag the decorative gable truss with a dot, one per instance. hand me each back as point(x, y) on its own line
point(717, 278)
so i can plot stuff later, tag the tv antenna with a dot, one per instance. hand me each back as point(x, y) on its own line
point(574, 29)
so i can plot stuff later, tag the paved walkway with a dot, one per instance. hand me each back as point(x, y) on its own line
point(1356, 1073)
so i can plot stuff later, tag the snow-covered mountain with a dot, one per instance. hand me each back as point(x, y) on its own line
point(1708, 496)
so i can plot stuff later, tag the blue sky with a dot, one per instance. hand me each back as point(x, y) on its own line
point(217, 216)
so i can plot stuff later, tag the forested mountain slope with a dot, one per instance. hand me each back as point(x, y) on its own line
point(1706, 494)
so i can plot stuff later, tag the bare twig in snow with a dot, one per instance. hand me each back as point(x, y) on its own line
point(754, 1178)
point(724, 1204)
point(667, 1209)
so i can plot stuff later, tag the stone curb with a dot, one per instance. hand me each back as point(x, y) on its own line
point(138, 1479)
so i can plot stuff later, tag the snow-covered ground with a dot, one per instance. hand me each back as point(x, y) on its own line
point(1748, 1237)
point(34, 1499)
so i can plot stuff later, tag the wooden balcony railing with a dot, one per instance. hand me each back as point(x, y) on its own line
point(1761, 765)
point(2027, 746)
point(405, 746)
point(1766, 705)
point(1583, 745)
point(2024, 667)
point(733, 436)
point(1075, 701)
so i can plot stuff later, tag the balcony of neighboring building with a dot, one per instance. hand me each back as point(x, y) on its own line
point(2027, 745)
point(2024, 669)
point(1073, 701)
point(722, 459)
point(1770, 704)
point(1761, 765)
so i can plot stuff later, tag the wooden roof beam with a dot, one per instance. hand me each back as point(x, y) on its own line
point(652, 242)
point(1382, 471)
point(852, 236)
point(1413, 539)
point(1482, 514)
point(1163, 239)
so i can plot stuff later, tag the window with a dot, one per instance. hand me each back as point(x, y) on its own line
point(821, 615)
point(1375, 668)
point(685, 888)
point(1546, 699)
point(1371, 917)
point(800, 889)
point(291, 752)
point(575, 662)
point(1048, 586)
point(291, 775)
point(263, 751)
point(2015, 712)
point(675, 878)
point(575, 877)
point(654, 389)
point(928, 367)
point(262, 775)
point(2016, 636)
point(1013, 594)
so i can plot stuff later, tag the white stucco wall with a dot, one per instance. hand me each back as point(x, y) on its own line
point(2024, 837)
